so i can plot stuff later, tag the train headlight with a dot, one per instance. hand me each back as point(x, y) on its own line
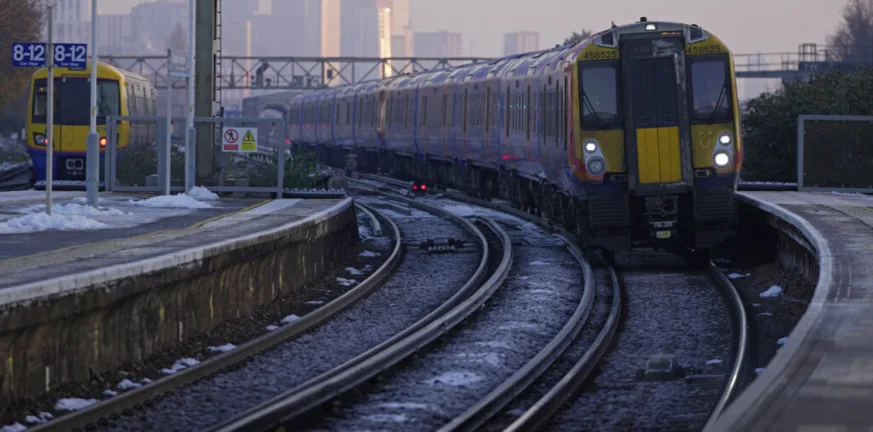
point(590, 146)
point(725, 139)
point(39, 139)
point(721, 159)
point(596, 166)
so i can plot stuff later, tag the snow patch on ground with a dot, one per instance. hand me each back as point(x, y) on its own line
point(737, 275)
point(714, 362)
point(128, 385)
point(782, 341)
point(315, 302)
point(146, 381)
point(43, 222)
point(77, 209)
point(201, 193)
point(771, 292)
point(368, 254)
point(353, 271)
point(290, 319)
point(539, 263)
point(387, 418)
point(110, 393)
point(455, 379)
point(179, 365)
point(272, 327)
point(172, 201)
point(460, 210)
point(74, 404)
point(346, 282)
point(222, 348)
point(14, 427)
point(43, 417)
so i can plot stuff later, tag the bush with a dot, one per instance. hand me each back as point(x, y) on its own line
point(769, 122)
point(301, 170)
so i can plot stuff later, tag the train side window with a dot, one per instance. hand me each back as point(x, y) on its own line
point(506, 110)
point(711, 98)
point(598, 96)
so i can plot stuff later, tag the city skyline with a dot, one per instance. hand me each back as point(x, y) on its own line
point(805, 20)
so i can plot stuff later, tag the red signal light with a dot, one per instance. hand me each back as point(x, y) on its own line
point(414, 187)
point(424, 187)
point(103, 142)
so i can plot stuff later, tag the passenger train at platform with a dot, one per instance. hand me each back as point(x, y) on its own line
point(628, 138)
point(119, 92)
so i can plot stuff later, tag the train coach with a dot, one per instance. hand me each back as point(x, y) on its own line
point(119, 92)
point(629, 138)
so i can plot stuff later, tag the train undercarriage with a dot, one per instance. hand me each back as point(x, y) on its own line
point(606, 223)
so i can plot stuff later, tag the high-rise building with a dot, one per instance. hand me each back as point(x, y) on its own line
point(366, 28)
point(520, 42)
point(401, 29)
point(72, 21)
point(115, 35)
point(235, 17)
point(154, 22)
point(438, 44)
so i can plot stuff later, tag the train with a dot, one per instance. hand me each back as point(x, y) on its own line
point(629, 138)
point(119, 92)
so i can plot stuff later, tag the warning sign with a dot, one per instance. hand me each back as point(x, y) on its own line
point(250, 141)
point(239, 139)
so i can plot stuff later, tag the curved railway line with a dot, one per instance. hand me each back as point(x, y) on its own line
point(538, 393)
point(110, 412)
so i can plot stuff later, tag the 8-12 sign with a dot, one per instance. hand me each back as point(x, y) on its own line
point(70, 56)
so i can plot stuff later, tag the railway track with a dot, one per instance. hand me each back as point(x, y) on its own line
point(566, 380)
point(128, 410)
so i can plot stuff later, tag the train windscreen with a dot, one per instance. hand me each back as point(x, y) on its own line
point(599, 96)
point(711, 96)
point(72, 101)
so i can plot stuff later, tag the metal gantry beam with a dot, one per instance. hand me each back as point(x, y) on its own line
point(292, 73)
point(306, 73)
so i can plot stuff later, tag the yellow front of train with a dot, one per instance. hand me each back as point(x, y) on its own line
point(656, 141)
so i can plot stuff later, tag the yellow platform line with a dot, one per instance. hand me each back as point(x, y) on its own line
point(178, 232)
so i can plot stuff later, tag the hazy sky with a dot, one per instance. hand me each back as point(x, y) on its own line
point(747, 26)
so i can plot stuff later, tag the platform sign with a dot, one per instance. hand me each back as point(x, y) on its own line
point(179, 66)
point(239, 139)
point(28, 54)
point(66, 55)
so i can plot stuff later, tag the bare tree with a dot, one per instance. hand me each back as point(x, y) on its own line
point(21, 21)
point(577, 37)
point(178, 40)
point(853, 40)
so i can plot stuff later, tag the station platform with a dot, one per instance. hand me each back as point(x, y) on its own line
point(822, 378)
point(124, 229)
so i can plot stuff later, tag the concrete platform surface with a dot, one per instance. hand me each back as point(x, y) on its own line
point(822, 378)
point(35, 264)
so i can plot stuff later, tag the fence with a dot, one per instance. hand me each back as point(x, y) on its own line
point(144, 160)
point(835, 153)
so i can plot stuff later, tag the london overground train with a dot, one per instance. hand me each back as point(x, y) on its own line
point(628, 138)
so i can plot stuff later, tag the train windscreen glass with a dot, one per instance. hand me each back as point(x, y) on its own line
point(599, 96)
point(710, 91)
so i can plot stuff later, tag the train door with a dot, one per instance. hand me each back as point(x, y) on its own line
point(657, 135)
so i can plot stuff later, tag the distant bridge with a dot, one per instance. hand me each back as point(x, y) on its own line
point(308, 73)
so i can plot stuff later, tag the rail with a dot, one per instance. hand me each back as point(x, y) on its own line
point(296, 402)
point(126, 401)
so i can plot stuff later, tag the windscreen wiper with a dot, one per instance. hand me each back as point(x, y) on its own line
point(597, 122)
point(722, 97)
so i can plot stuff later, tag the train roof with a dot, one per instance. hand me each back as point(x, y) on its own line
point(103, 68)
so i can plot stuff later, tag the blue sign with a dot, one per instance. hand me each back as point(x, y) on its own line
point(28, 54)
point(66, 55)
point(71, 56)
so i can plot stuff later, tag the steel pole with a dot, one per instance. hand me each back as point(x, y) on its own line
point(92, 161)
point(190, 158)
point(50, 109)
point(164, 151)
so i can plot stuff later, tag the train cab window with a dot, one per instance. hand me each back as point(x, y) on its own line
point(599, 96)
point(710, 90)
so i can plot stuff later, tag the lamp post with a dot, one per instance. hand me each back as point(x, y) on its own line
point(50, 108)
point(190, 159)
point(92, 161)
